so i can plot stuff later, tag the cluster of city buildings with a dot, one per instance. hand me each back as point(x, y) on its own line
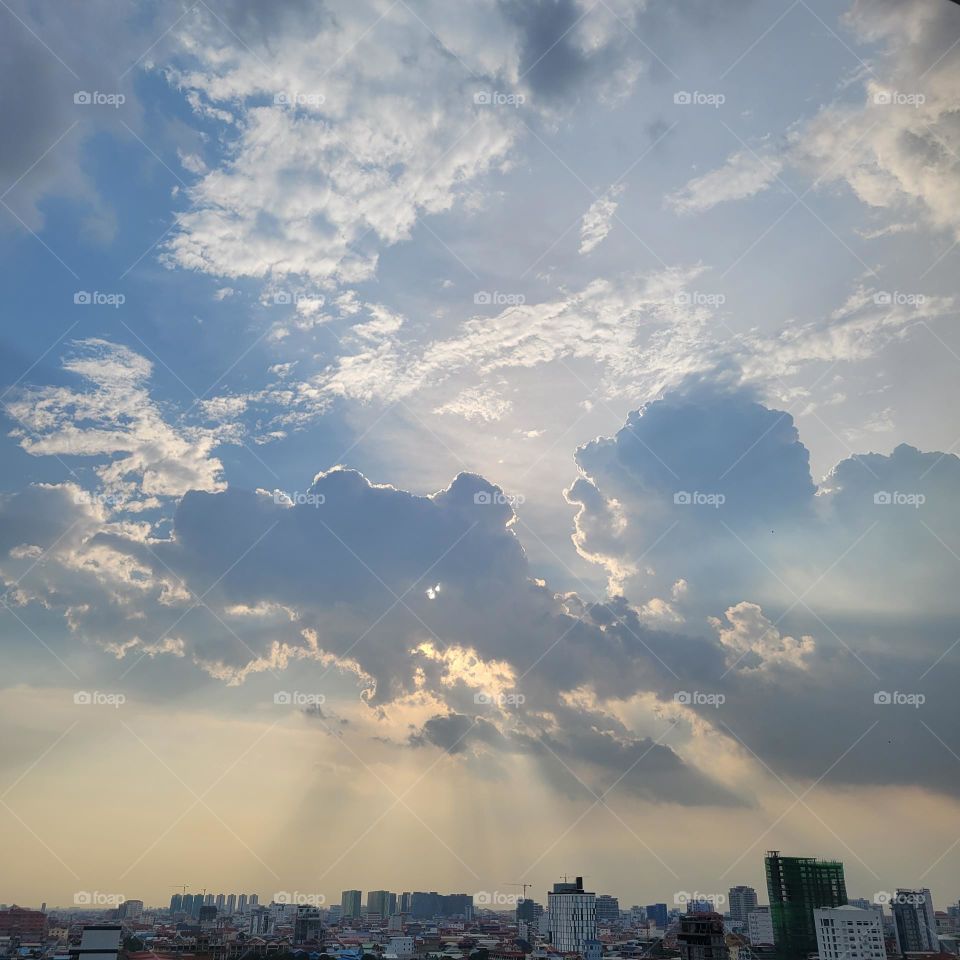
point(808, 916)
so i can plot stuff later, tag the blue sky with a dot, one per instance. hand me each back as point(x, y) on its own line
point(592, 256)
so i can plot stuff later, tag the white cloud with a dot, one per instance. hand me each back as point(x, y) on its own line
point(375, 125)
point(598, 220)
point(477, 405)
point(113, 417)
point(754, 642)
point(744, 174)
point(898, 149)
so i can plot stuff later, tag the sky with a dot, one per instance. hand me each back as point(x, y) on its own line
point(450, 445)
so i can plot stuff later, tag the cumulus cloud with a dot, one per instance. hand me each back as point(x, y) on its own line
point(898, 149)
point(402, 596)
point(809, 588)
point(755, 642)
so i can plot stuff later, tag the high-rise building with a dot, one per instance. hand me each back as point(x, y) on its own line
point(608, 909)
point(797, 886)
point(220, 902)
point(404, 906)
point(261, 923)
point(849, 933)
point(528, 910)
point(242, 903)
point(915, 921)
point(176, 903)
point(231, 906)
point(254, 900)
point(572, 918)
point(425, 906)
point(350, 901)
point(208, 900)
point(760, 927)
point(186, 903)
point(308, 925)
point(657, 915)
point(741, 900)
point(701, 937)
point(130, 909)
point(378, 902)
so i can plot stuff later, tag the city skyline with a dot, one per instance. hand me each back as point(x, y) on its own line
point(461, 443)
point(737, 902)
point(810, 917)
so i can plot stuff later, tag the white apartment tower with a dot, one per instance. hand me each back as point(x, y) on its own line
point(849, 933)
point(571, 916)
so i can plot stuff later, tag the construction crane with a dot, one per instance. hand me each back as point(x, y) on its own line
point(521, 884)
point(180, 886)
